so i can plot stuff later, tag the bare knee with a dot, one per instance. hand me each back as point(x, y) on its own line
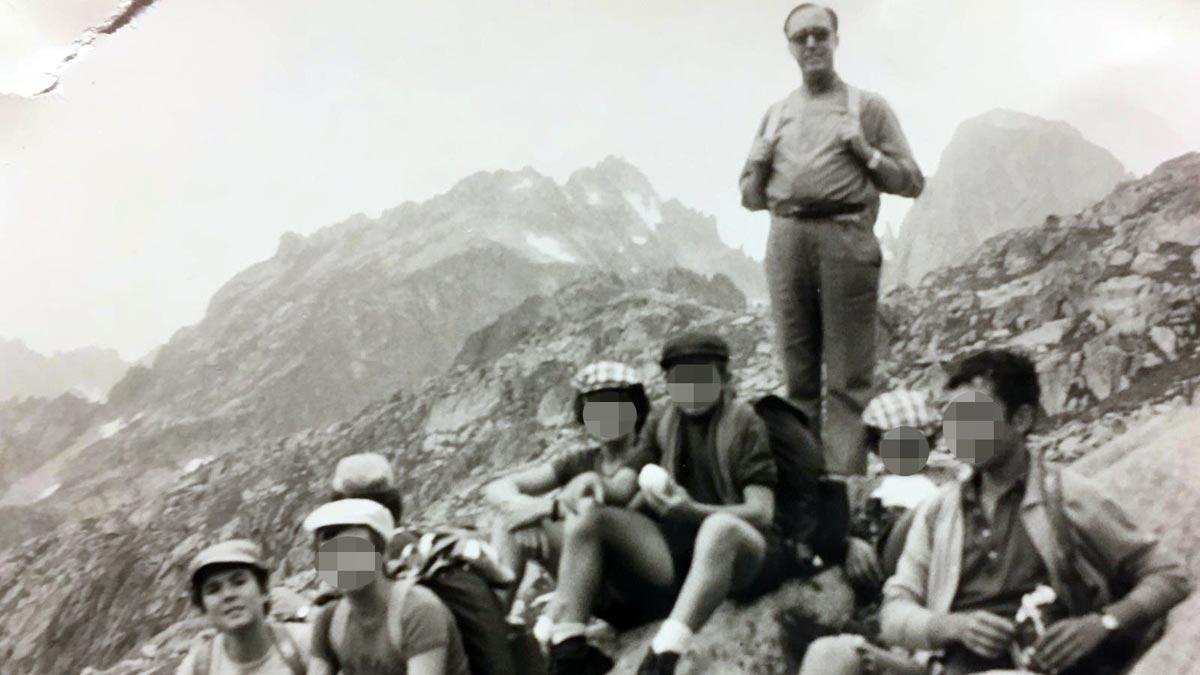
point(835, 654)
point(722, 537)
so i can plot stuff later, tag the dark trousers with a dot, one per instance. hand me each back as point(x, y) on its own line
point(823, 281)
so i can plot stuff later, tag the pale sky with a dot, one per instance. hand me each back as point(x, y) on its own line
point(175, 152)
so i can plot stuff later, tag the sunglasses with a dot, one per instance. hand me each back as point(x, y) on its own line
point(818, 34)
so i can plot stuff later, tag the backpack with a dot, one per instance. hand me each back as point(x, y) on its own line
point(336, 613)
point(809, 506)
point(281, 640)
point(756, 174)
point(462, 571)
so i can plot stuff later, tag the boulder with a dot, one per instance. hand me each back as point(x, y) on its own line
point(747, 638)
point(1164, 338)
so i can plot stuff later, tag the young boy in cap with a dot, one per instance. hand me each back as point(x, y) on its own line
point(611, 405)
point(460, 571)
point(705, 532)
point(228, 583)
point(381, 625)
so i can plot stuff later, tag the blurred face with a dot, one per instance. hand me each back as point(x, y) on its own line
point(232, 599)
point(811, 40)
point(976, 427)
point(609, 414)
point(347, 558)
point(694, 387)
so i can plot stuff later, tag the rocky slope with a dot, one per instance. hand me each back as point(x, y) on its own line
point(86, 373)
point(360, 309)
point(1002, 170)
point(1105, 301)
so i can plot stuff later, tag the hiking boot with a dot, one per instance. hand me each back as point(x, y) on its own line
point(658, 664)
point(575, 656)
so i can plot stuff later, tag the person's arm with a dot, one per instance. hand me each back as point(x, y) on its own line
point(1112, 540)
point(432, 662)
point(429, 632)
point(886, 152)
point(758, 507)
point(523, 488)
point(904, 620)
point(757, 169)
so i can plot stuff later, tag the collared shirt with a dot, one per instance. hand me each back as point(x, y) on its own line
point(999, 561)
point(810, 163)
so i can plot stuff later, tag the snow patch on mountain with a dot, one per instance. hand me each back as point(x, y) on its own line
point(550, 246)
point(525, 184)
point(639, 240)
point(110, 429)
point(646, 207)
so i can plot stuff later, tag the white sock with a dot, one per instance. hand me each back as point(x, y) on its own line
point(673, 636)
point(565, 631)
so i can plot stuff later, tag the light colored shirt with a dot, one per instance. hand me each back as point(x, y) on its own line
point(810, 162)
point(271, 663)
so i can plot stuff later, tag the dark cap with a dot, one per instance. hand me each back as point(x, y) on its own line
point(694, 344)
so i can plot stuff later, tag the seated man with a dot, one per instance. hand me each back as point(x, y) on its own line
point(708, 532)
point(229, 584)
point(381, 625)
point(611, 405)
point(990, 540)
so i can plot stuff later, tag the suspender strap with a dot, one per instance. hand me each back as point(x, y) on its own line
point(285, 644)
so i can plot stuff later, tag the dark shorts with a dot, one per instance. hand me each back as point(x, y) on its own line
point(778, 565)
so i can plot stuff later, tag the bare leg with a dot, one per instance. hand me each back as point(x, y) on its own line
point(729, 552)
point(627, 537)
point(511, 554)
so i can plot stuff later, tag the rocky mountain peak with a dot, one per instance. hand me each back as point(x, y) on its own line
point(1001, 171)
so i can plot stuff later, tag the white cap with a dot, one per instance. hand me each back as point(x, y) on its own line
point(362, 512)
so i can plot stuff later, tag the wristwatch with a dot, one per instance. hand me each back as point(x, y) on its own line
point(1109, 622)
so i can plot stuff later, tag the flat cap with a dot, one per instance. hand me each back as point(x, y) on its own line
point(693, 344)
point(234, 551)
point(364, 473)
point(351, 512)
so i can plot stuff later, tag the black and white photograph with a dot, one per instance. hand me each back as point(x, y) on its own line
point(527, 337)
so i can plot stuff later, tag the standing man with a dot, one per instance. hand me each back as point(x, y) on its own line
point(819, 160)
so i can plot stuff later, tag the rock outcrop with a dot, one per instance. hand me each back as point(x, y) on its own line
point(1001, 171)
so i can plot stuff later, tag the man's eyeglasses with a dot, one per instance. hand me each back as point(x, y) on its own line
point(818, 34)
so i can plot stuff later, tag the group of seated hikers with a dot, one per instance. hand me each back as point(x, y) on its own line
point(1014, 564)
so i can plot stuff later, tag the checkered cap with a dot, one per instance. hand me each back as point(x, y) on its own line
point(901, 408)
point(605, 375)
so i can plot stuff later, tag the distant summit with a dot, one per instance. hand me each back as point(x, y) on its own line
point(362, 309)
point(87, 373)
point(1002, 170)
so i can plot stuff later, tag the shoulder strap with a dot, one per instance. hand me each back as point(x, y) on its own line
point(395, 617)
point(288, 650)
point(1063, 536)
point(667, 435)
point(203, 647)
point(854, 101)
point(324, 627)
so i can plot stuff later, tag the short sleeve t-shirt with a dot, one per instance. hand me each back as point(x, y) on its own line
point(271, 663)
point(426, 625)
